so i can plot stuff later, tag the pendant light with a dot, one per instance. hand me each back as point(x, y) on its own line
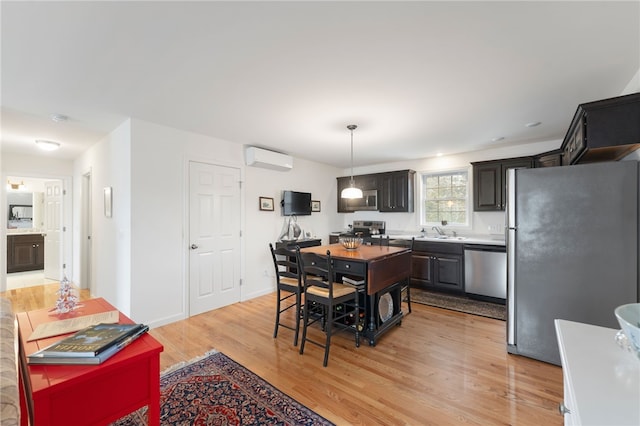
point(351, 191)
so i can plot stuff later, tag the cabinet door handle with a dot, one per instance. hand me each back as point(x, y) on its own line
point(34, 246)
point(193, 246)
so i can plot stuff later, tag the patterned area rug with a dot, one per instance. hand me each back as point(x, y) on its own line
point(215, 390)
point(459, 303)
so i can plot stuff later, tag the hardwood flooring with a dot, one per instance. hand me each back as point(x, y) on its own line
point(438, 367)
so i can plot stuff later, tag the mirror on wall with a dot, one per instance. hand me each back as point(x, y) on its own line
point(25, 204)
point(24, 210)
point(20, 210)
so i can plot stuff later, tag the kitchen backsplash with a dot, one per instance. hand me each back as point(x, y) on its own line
point(483, 223)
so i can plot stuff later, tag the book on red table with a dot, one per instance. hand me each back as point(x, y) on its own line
point(91, 345)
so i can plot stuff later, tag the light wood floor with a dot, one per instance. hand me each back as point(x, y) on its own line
point(438, 367)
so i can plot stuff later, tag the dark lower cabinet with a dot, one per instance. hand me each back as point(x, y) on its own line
point(438, 266)
point(422, 269)
point(25, 253)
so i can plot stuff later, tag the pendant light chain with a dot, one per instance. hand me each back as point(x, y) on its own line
point(351, 191)
point(352, 128)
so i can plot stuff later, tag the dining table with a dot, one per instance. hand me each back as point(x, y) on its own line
point(382, 272)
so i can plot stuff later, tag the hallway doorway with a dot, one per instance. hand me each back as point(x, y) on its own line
point(43, 215)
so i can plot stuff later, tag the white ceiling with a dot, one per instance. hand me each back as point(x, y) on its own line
point(417, 78)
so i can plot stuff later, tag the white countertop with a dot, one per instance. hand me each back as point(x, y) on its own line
point(493, 240)
point(23, 232)
point(497, 240)
point(602, 380)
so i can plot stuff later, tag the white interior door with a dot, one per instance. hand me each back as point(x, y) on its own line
point(52, 229)
point(214, 231)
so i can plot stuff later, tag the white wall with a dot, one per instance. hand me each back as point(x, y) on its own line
point(264, 227)
point(140, 256)
point(634, 84)
point(408, 223)
point(160, 158)
point(39, 167)
point(109, 162)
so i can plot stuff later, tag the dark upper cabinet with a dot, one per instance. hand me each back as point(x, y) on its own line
point(490, 179)
point(604, 130)
point(343, 203)
point(396, 191)
point(549, 159)
point(364, 182)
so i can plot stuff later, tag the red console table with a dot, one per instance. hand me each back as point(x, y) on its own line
point(88, 394)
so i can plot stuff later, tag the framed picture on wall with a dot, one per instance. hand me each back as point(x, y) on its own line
point(315, 206)
point(266, 204)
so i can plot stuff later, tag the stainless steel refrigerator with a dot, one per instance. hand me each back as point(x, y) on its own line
point(572, 250)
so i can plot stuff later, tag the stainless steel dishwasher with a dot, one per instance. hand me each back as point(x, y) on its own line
point(485, 271)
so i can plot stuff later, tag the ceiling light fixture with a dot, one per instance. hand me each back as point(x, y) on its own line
point(58, 118)
point(15, 186)
point(351, 191)
point(533, 124)
point(47, 145)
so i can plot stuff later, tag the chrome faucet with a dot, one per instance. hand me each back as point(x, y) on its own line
point(438, 230)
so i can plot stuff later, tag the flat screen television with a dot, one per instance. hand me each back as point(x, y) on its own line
point(296, 203)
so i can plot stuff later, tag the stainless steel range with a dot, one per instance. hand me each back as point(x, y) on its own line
point(368, 227)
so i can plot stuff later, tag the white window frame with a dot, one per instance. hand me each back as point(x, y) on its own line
point(421, 198)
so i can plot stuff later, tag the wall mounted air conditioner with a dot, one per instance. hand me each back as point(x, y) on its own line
point(258, 157)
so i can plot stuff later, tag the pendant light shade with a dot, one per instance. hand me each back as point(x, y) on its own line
point(351, 191)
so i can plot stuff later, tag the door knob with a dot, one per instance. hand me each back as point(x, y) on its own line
point(193, 246)
point(563, 409)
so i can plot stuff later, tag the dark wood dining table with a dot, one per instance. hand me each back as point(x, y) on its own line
point(384, 270)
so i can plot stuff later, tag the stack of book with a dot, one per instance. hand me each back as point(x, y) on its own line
point(92, 345)
point(356, 282)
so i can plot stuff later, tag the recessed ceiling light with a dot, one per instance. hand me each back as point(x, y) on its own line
point(439, 154)
point(58, 118)
point(47, 145)
point(497, 139)
point(533, 124)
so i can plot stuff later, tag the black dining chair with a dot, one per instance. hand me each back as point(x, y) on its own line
point(288, 288)
point(339, 302)
point(384, 241)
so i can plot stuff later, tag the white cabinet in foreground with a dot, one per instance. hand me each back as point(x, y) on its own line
point(601, 380)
